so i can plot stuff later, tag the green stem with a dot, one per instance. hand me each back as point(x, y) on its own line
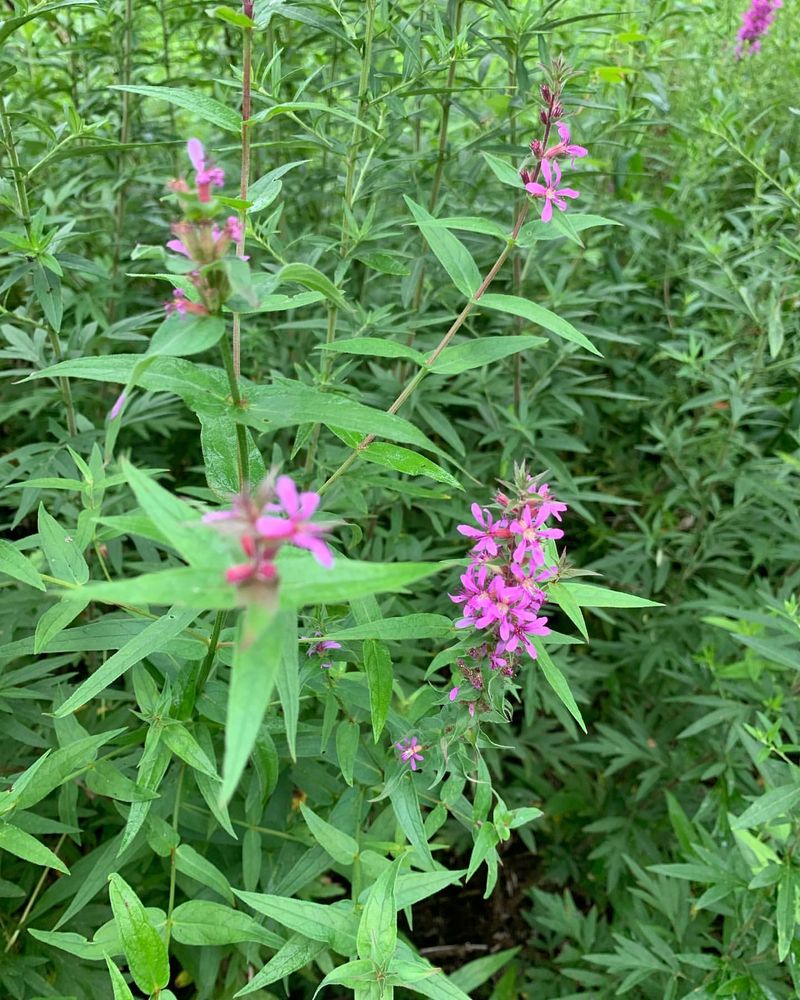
point(208, 660)
point(25, 216)
point(124, 134)
point(423, 371)
point(243, 463)
point(441, 152)
point(176, 811)
point(355, 141)
point(244, 183)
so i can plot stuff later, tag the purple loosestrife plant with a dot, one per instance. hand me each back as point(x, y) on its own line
point(502, 590)
point(546, 157)
point(756, 22)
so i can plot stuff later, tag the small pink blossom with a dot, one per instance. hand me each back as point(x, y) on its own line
point(409, 751)
point(550, 191)
point(181, 305)
point(296, 528)
point(453, 694)
point(205, 177)
point(486, 534)
point(565, 147)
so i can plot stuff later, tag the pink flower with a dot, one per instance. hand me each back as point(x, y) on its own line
point(320, 648)
point(565, 147)
point(261, 566)
point(453, 694)
point(181, 305)
point(298, 508)
point(205, 177)
point(547, 503)
point(487, 533)
point(234, 228)
point(552, 194)
point(409, 752)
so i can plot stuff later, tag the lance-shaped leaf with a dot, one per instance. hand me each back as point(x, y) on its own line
point(377, 930)
point(144, 950)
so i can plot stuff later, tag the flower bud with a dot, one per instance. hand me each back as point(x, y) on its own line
point(537, 148)
point(546, 93)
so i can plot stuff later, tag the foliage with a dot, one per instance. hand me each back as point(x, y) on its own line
point(220, 777)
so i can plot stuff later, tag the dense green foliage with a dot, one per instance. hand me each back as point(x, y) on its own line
point(662, 397)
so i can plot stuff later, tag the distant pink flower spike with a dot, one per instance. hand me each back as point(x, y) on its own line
point(552, 194)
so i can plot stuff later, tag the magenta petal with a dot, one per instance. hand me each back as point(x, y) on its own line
point(308, 504)
point(563, 131)
point(568, 193)
point(196, 153)
point(318, 549)
point(237, 574)
point(547, 210)
point(274, 527)
point(178, 247)
point(287, 494)
point(536, 189)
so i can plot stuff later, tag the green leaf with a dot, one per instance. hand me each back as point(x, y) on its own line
point(56, 619)
point(405, 803)
point(297, 953)
point(260, 650)
point(14, 564)
point(414, 626)
point(148, 641)
point(589, 596)
point(772, 804)
point(61, 550)
point(144, 949)
point(287, 403)
point(288, 683)
point(54, 770)
point(202, 589)
point(221, 457)
point(207, 109)
point(374, 347)
point(535, 313)
point(176, 519)
point(340, 845)
point(413, 887)
point(303, 581)
point(181, 742)
point(334, 923)
point(377, 930)
point(309, 277)
point(11, 24)
point(47, 288)
point(537, 230)
point(480, 352)
point(73, 944)
point(558, 683)
point(235, 17)
point(377, 663)
point(474, 974)
point(121, 989)
point(24, 846)
point(785, 911)
point(203, 923)
point(452, 254)
point(179, 336)
point(393, 456)
point(199, 868)
point(504, 172)
point(352, 974)
point(566, 601)
point(348, 736)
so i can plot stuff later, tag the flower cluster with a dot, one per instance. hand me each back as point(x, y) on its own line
point(275, 515)
point(501, 593)
point(756, 22)
point(546, 158)
point(200, 239)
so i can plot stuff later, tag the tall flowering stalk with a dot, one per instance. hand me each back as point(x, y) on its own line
point(545, 157)
point(502, 591)
point(202, 251)
point(756, 22)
